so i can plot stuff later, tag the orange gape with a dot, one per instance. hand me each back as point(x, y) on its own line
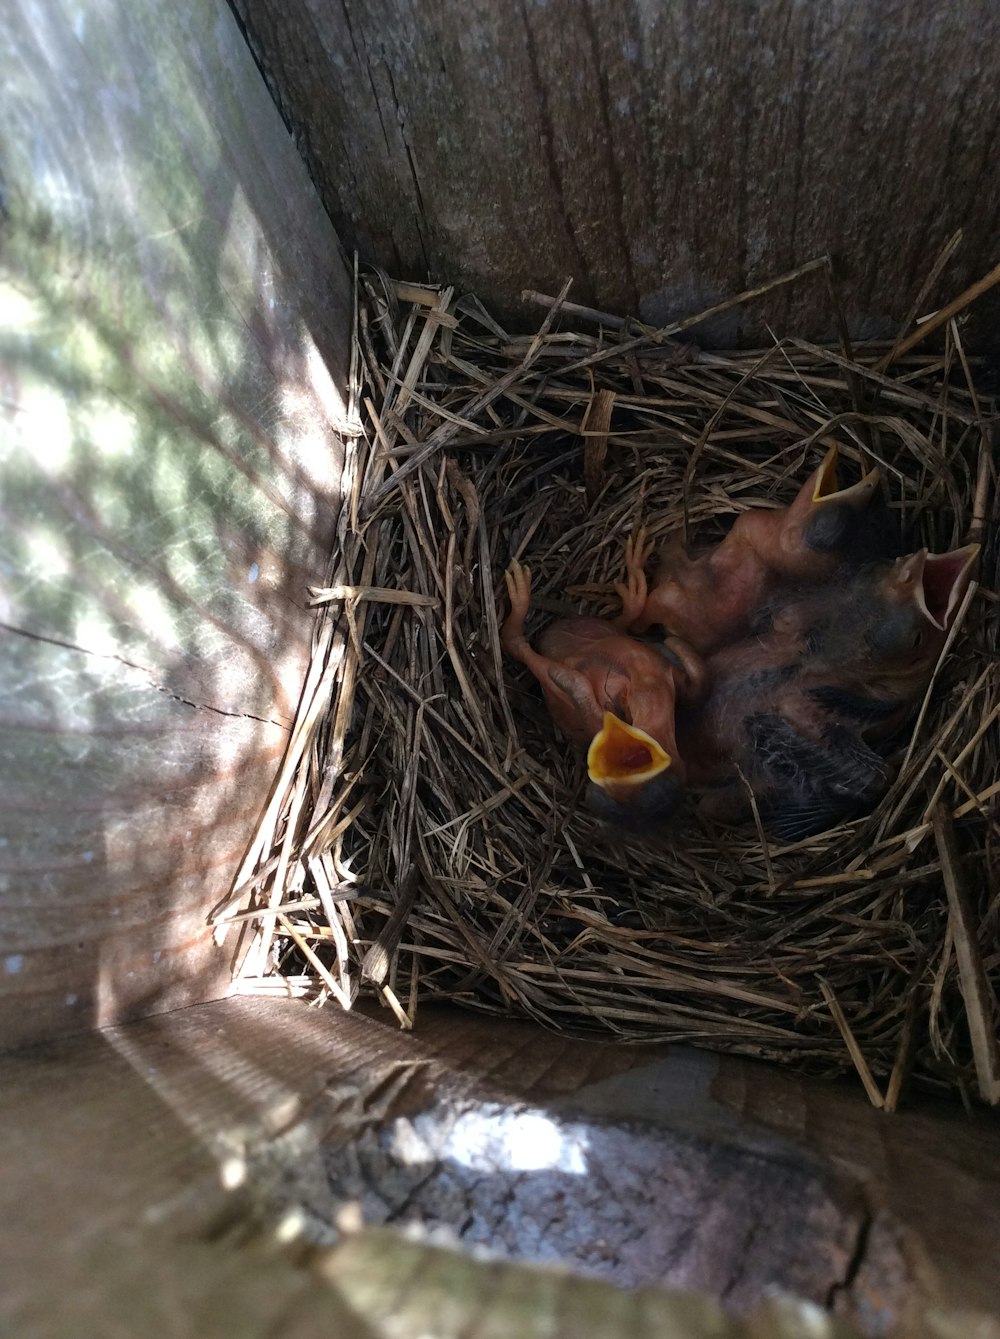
point(797, 709)
point(615, 694)
point(710, 600)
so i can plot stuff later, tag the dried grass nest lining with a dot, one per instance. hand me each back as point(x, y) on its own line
point(430, 840)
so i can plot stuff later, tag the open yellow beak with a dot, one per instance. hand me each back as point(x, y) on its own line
point(624, 755)
point(826, 488)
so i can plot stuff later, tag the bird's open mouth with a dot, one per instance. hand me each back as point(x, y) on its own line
point(828, 488)
point(943, 583)
point(623, 754)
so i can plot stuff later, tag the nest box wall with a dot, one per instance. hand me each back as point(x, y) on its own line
point(664, 155)
point(174, 326)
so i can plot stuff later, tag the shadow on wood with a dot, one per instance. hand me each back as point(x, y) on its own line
point(177, 1139)
point(664, 156)
point(173, 356)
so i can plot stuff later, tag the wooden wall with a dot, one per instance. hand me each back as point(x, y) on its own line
point(174, 322)
point(664, 153)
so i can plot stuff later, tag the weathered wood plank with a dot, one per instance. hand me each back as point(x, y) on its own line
point(146, 1167)
point(923, 1169)
point(664, 155)
point(174, 325)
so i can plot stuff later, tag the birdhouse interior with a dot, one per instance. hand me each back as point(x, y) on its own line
point(786, 812)
point(499, 594)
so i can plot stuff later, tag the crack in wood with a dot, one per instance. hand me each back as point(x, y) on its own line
point(141, 669)
point(844, 1286)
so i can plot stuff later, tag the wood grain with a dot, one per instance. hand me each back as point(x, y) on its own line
point(922, 1170)
point(664, 156)
point(147, 1166)
point(174, 324)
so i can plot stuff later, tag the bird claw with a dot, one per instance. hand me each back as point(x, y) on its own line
point(518, 579)
point(637, 549)
point(633, 590)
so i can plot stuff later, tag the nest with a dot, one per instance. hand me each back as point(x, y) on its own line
point(425, 836)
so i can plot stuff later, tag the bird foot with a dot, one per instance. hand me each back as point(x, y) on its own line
point(634, 590)
point(518, 579)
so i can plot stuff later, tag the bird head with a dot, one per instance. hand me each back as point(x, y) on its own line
point(633, 779)
point(915, 606)
point(929, 587)
point(826, 512)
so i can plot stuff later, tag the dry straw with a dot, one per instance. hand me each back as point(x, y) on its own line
point(424, 838)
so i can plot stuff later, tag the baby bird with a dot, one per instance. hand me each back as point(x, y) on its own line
point(763, 731)
point(871, 644)
point(616, 695)
point(710, 600)
point(797, 709)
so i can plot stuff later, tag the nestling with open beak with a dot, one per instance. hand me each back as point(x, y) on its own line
point(710, 600)
point(616, 695)
point(797, 709)
point(871, 644)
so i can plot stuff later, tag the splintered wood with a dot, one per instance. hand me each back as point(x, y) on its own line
point(424, 838)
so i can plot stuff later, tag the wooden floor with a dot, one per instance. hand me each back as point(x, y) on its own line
point(149, 1172)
